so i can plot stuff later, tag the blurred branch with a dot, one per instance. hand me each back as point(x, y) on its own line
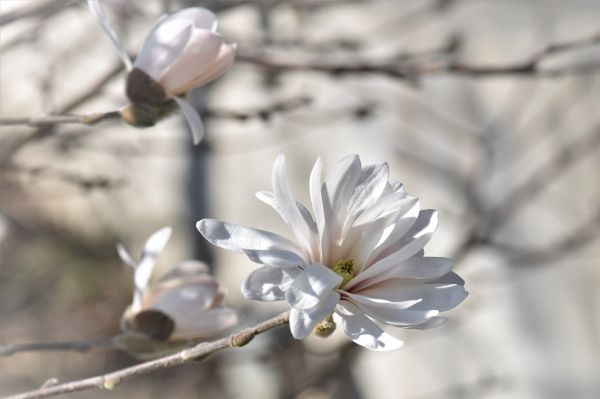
point(407, 67)
point(78, 346)
point(265, 113)
point(40, 8)
point(112, 380)
point(83, 182)
point(585, 234)
point(539, 180)
point(88, 119)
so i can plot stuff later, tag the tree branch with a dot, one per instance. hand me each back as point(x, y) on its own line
point(407, 67)
point(112, 380)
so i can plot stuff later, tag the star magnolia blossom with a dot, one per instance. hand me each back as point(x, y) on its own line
point(359, 259)
point(184, 303)
point(181, 52)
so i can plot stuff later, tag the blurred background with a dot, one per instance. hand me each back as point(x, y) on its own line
point(487, 110)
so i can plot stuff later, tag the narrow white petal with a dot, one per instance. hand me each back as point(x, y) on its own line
point(257, 244)
point(396, 303)
point(125, 257)
point(193, 119)
point(152, 249)
point(269, 283)
point(341, 183)
point(419, 234)
point(269, 199)
point(416, 267)
point(311, 285)
point(302, 322)
point(98, 12)
point(289, 211)
point(360, 329)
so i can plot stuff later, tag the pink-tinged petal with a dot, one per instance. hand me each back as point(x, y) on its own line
point(416, 267)
point(222, 62)
point(193, 119)
point(202, 324)
point(303, 322)
point(199, 54)
point(310, 286)
point(290, 212)
point(257, 244)
point(163, 46)
point(269, 283)
point(186, 269)
point(360, 329)
point(192, 293)
point(98, 12)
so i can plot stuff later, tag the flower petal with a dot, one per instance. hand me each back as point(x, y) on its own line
point(290, 212)
point(200, 53)
point(153, 247)
point(415, 238)
point(402, 304)
point(125, 257)
point(190, 323)
point(258, 245)
point(163, 46)
point(222, 62)
point(311, 285)
point(192, 117)
point(416, 267)
point(302, 322)
point(269, 283)
point(360, 329)
point(98, 12)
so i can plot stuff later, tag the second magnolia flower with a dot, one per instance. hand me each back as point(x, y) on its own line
point(359, 258)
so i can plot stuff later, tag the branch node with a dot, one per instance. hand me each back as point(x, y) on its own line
point(111, 383)
point(243, 337)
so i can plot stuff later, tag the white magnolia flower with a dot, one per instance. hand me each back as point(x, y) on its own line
point(184, 303)
point(182, 51)
point(359, 259)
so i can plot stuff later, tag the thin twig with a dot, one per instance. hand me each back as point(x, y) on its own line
point(77, 346)
point(88, 119)
point(112, 380)
point(410, 68)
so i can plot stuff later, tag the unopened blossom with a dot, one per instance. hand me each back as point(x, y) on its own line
point(185, 303)
point(182, 51)
point(358, 257)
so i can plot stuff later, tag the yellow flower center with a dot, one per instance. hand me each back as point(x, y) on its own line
point(344, 268)
point(325, 328)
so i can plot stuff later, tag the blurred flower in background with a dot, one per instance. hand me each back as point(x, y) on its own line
point(183, 304)
point(181, 52)
point(361, 255)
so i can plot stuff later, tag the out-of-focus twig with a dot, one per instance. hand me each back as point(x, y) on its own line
point(76, 179)
point(409, 68)
point(77, 346)
point(88, 119)
point(112, 380)
point(40, 8)
point(559, 164)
